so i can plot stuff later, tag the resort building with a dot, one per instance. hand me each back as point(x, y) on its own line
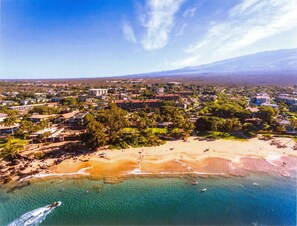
point(9, 129)
point(286, 98)
point(38, 118)
point(25, 107)
point(261, 99)
point(98, 92)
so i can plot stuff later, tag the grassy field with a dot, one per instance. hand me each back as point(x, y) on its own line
point(222, 135)
point(153, 130)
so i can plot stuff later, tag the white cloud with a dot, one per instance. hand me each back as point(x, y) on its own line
point(128, 32)
point(158, 22)
point(190, 12)
point(249, 22)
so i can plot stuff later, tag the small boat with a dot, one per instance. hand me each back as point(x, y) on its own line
point(194, 182)
point(54, 205)
point(203, 189)
point(256, 184)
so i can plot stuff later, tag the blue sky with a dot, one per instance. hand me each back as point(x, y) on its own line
point(96, 38)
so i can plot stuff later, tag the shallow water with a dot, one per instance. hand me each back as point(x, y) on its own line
point(230, 201)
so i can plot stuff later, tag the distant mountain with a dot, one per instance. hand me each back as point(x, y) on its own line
point(264, 62)
point(280, 66)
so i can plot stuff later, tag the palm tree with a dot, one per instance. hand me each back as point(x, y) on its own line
point(11, 150)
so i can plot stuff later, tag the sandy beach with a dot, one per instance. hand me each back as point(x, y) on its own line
point(178, 158)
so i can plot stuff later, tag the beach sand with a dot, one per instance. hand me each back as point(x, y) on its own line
point(177, 158)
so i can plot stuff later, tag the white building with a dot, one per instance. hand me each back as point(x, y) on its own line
point(2, 117)
point(98, 92)
point(261, 99)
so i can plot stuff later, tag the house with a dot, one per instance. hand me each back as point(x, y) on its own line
point(28, 101)
point(7, 103)
point(261, 99)
point(78, 118)
point(159, 90)
point(287, 125)
point(25, 107)
point(50, 130)
point(2, 117)
point(286, 98)
point(9, 129)
point(38, 118)
point(98, 92)
point(64, 118)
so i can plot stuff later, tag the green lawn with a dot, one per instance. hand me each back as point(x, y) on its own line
point(222, 135)
point(159, 130)
point(153, 130)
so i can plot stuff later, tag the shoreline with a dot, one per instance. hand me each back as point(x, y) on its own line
point(194, 158)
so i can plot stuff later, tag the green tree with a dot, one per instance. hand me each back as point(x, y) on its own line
point(27, 128)
point(96, 132)
point(267, 114)
point(116, 120)
point(11, 149)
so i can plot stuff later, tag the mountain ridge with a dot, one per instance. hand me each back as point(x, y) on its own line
point(276, 61)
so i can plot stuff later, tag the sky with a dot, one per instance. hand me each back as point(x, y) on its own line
point(99, 38)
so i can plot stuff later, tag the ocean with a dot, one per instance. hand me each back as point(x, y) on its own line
point(252, 200)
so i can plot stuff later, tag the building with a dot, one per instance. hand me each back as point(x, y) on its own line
point(78, 118)
point(159, 90)
point(64, 118)
point(38, 118)
point(261, 99)
point(9, 129)
point(208, 98)
point(25, 107)
point(98, 92)
point(2, 117)
point(285, 98)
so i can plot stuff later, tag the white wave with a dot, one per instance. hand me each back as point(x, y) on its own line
point(34, 217)
point(236, 159)
point(43, 175)
point(273, 157)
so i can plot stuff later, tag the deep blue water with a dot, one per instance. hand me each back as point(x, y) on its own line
point(232, 201)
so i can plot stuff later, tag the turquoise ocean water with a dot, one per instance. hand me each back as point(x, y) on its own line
point(139, 201)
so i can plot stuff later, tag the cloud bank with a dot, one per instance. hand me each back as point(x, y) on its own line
point(248, 22)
